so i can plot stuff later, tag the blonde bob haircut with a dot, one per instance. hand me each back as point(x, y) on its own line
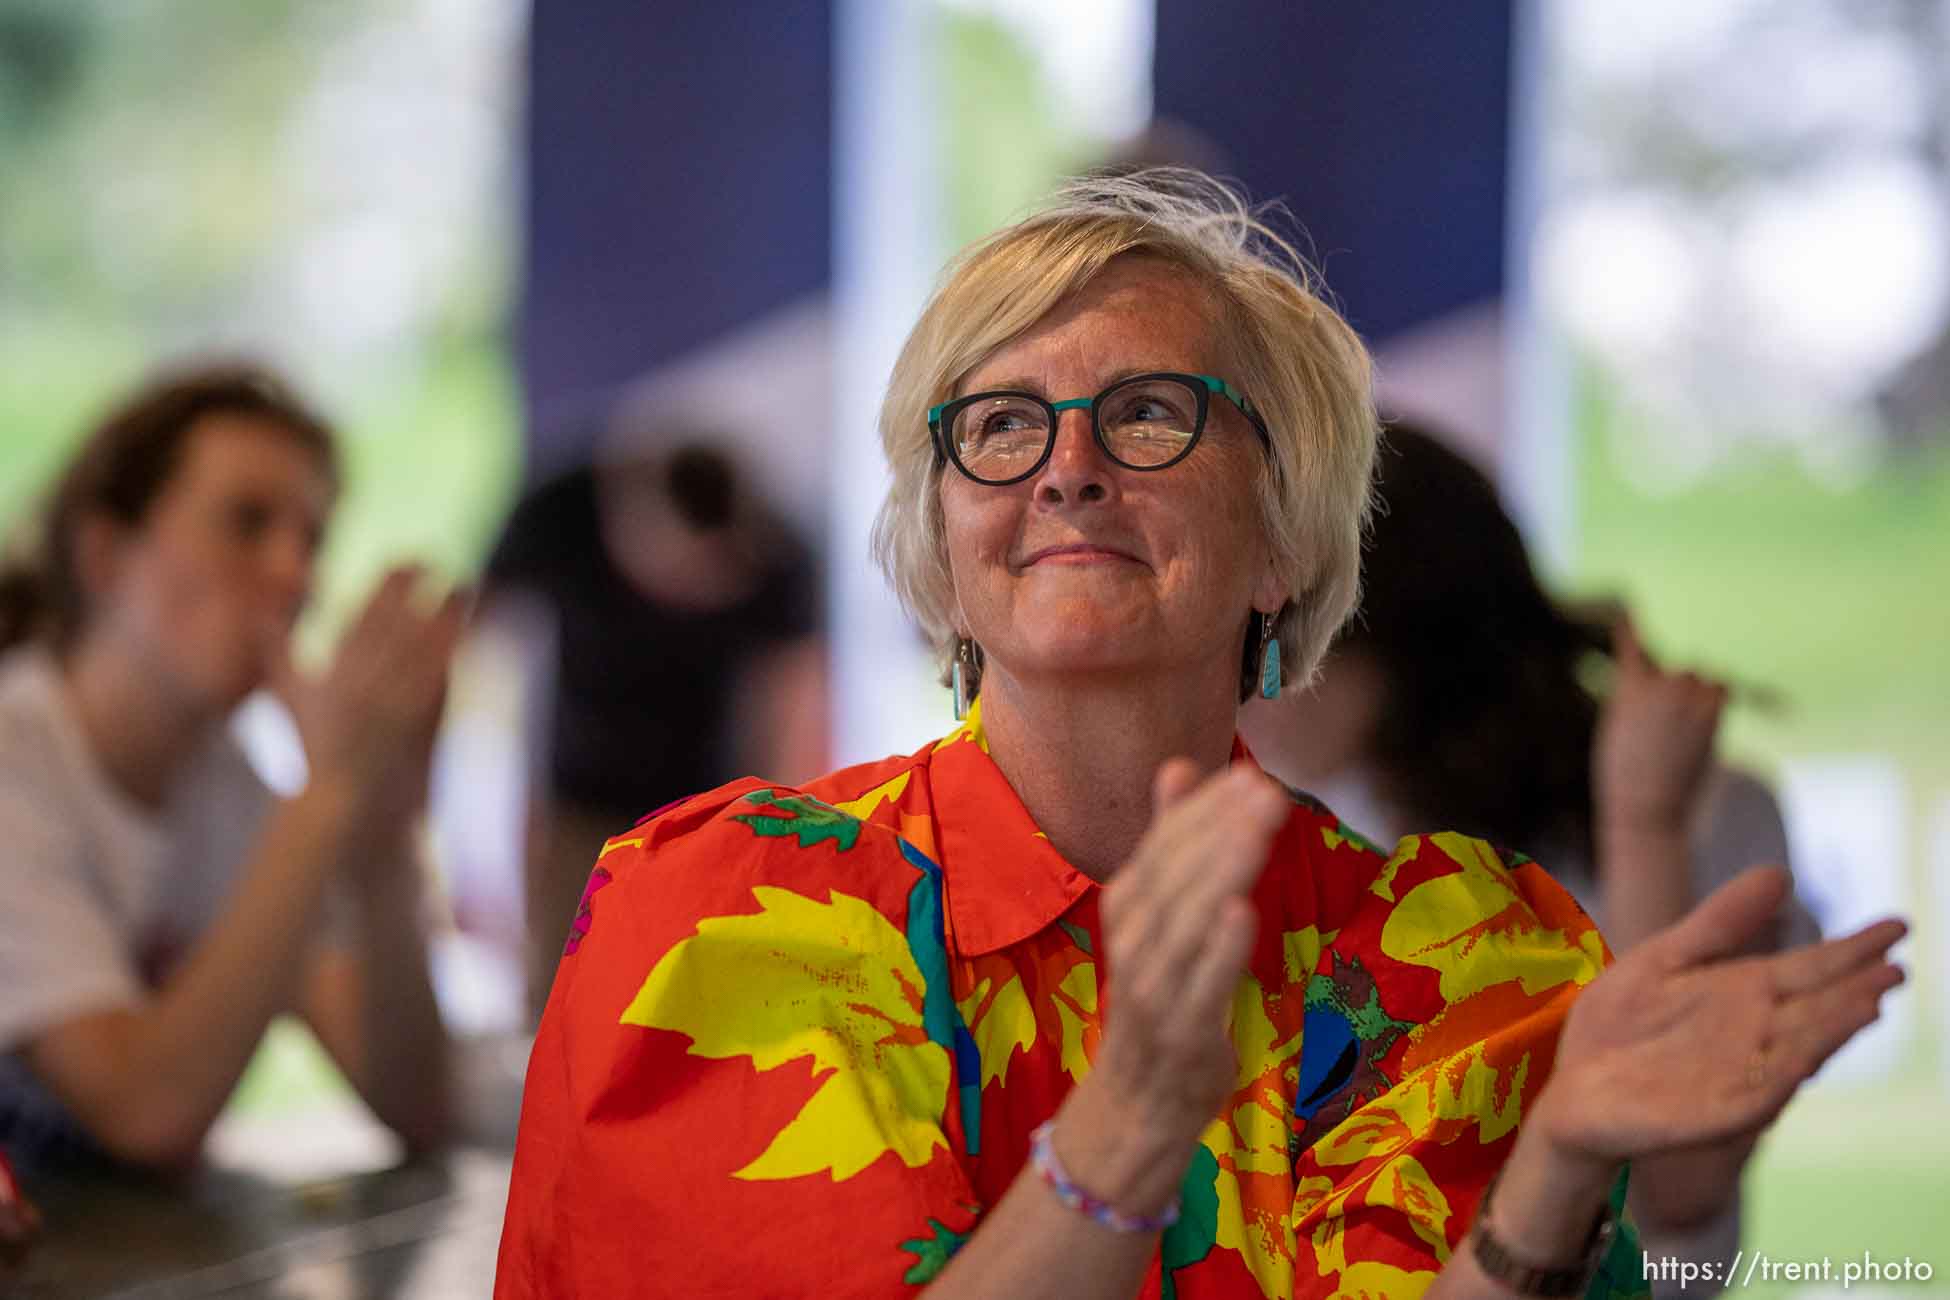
point(1291, 353)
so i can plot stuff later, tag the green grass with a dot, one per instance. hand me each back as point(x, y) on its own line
point(1840, 599)
point(289, 1074)
point(1851, 1171)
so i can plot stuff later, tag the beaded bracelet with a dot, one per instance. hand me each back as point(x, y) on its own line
point(1043, 1156)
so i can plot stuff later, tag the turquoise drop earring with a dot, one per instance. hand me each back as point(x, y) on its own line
point(959, 675)
point(1269, 660)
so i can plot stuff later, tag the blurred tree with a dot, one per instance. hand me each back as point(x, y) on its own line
point(1793, 159)
point(322, 186)
point(1004, 146)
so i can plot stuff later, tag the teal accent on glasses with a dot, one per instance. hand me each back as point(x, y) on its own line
point(1212, 384)
point(1014, 465)
point(1236, 397)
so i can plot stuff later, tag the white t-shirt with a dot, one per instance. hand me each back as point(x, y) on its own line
point(100, 897)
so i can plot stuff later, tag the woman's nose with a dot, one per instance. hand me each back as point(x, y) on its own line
point(1078, 470)
point(288, 563)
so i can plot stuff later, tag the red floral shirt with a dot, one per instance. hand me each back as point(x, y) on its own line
point(800, 1038)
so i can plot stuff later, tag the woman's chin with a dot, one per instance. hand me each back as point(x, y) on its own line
point(222, 689)
point(1083, 651)
point(1083, 632)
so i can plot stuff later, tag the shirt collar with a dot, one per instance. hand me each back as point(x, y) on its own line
point(1004, 880)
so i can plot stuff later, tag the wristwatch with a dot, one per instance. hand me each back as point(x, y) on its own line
point(1497, 1260)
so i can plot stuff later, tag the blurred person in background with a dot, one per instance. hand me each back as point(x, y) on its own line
point(1076, 1001)
point(670, 624)
point(1458, 696)
point(158, 904)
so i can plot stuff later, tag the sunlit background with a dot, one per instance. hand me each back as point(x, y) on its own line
point(1744, 250)
point(1718, 384)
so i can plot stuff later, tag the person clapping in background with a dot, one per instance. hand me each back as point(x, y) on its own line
point(158, 905)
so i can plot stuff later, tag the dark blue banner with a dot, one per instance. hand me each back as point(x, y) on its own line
point(1385, 127)
point(679, 186)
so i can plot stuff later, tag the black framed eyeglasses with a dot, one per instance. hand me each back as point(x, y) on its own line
point(1146, 422)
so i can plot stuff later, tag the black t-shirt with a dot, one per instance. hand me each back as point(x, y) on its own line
point(642, 692)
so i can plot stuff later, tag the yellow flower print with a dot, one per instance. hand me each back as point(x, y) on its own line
point(835, 981)
point(998, 1014)
point(889, 790)
point(971, 729)
point(1076, 1009)
point(1436, 1106)
point(1370, 1279)
point(1320, 1216)
point(1302, 950)
point(1384, 881)
point(1250, 1140)
point(1505, 935)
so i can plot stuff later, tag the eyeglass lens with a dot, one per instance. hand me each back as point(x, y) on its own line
point(1144, 423)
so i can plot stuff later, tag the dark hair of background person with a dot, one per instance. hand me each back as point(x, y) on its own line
point(1487, 723)
point(703, 487)
point(120, 471)
point(642, 685)
point(697, 481)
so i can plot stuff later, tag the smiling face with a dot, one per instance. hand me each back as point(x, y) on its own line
point(1088, 567)
point(206, 588)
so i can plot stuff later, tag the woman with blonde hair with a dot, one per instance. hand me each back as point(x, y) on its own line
point(1076, 1001)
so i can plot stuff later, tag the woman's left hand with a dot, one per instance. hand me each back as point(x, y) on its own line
point(1680, 1044)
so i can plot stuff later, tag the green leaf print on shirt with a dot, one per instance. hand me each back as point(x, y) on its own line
point(934, 1252)
point(1190, 1239)
point(811, 820)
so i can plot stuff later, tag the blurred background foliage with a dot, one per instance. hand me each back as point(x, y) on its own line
point(1002, 135)
point(322, 187)
point(1745, 251)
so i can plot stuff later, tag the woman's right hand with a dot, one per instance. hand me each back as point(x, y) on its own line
point(368, 721)
point(1178, 928)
